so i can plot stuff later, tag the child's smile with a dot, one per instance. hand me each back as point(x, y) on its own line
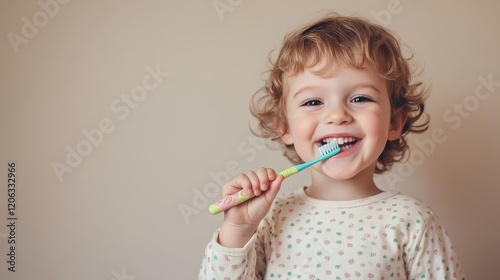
point(350, 105)
point(345, 143)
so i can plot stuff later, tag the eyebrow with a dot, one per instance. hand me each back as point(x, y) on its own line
point(367, 85)
point(304, 89)
point(351, 88)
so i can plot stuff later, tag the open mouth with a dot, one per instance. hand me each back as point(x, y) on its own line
point(345, 143)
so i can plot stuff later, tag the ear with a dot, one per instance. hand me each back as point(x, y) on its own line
point(398, 121)
point(286, 138)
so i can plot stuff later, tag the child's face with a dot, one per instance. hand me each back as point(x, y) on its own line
point(349, 104)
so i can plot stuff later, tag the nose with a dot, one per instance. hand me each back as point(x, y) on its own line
point(338, 115)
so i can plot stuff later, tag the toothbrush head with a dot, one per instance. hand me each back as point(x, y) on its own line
point(330, 149)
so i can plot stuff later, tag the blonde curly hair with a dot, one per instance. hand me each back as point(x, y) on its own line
point(342, 41)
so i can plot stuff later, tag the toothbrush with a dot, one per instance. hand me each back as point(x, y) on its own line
point(326, 151)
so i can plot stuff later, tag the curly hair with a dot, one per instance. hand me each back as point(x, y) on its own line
point(342, 41)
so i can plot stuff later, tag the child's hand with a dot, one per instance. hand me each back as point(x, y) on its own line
point(241, 221)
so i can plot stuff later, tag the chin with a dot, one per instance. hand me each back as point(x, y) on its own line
point(339, 172)
point(339, 175)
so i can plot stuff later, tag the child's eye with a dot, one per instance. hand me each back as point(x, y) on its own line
point(359, 99)
point(312, 102)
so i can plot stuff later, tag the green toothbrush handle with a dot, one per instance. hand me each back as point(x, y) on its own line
point(289, 171)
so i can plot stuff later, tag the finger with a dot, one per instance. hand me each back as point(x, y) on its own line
point(264, 178)
point(236, 184)
point(271, 174)
point(254, 188)
point(274, 188)
point(267, 176)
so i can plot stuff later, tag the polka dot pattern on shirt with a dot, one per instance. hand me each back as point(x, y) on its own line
point(386, 236)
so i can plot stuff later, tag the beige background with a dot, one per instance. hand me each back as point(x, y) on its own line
point(74, 68)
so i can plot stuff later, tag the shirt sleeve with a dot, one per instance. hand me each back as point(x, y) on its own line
point(431, 254)
point(220, 262)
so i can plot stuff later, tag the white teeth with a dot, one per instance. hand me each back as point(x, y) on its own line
point(346, 147)
point(345, 143)
point(340, 140)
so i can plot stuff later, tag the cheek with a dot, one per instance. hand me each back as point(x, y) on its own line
point(301, 126)
point(377, 125)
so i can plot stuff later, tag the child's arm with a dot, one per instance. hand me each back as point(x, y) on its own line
point(220, 262)
point(432, 254)
point(233, 251)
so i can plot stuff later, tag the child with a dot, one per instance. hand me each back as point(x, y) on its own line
point(338, 78)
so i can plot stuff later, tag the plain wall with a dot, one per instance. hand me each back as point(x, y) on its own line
point(125, 117)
